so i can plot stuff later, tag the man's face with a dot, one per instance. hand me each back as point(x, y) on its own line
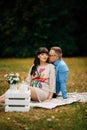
point(53, 56)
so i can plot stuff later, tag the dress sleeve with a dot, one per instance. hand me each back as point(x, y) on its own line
point(52, 79)
point(28, 79)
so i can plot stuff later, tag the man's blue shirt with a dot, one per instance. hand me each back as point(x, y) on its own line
point(61, 77)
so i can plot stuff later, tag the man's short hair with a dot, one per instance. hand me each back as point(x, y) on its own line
point(57, 50)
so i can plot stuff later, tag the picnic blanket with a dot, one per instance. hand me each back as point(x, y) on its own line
point(72, 97)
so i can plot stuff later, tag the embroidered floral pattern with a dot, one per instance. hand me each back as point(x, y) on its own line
point(38, 79)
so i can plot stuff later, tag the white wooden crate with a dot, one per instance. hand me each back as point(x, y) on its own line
point(16, 100)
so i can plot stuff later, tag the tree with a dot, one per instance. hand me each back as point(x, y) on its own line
point(27, 25)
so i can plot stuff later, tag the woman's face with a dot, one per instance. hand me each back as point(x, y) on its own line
point(43, 57)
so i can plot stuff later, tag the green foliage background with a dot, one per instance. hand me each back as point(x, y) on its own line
point(26, 25)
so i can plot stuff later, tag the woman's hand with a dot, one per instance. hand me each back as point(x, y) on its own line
point(49, 97)
point(47, 100)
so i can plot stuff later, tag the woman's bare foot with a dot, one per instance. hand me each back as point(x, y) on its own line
point(2, 99)
point(2, 104)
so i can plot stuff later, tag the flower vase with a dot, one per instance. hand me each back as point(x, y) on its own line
point(12, 86)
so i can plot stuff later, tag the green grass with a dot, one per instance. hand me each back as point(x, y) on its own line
point(68, 117)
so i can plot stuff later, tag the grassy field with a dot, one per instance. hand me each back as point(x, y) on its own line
point(69, 117)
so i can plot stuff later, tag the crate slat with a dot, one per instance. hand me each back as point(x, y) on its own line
point(17, 102)
point(18, 93)
point(17, 109)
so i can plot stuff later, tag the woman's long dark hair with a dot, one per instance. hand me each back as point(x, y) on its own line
point(37, 60)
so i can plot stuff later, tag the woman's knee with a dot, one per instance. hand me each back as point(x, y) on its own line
point(33, 94)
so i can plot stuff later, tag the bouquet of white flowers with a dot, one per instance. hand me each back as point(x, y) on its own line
point(12, 78)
